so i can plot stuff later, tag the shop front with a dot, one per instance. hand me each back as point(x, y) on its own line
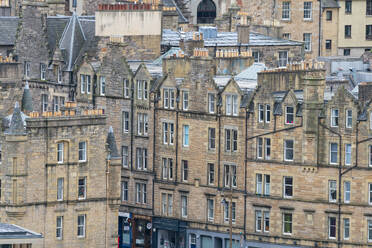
point(169, 233)
point(134, 231)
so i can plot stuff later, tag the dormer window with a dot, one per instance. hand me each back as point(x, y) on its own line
point(260, 113)
point(289, 115)
point(27, 69)
point(166, 98)
point(211, 103)
point(102, 86)
point(89, 84)
point(334, 118)
point(231, 105)
point(42, 71)
point(349, 118)
point(59, 74)
point(142, 89)
point(82, 83)
point(126, 88)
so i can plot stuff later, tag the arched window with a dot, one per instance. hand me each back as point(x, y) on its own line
point(206, 11)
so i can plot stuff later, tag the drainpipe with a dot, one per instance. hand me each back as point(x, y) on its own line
point(219, 142)
point(245, 172)
point(131, 125)
point(153, 153)
point(177, 111)
point(94, 91)
point(320, 28)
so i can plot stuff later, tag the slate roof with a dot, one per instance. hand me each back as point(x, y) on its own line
point(8, 30)
point(10, 231)
point(226, 39)
point(169, 53)
point(172, 3)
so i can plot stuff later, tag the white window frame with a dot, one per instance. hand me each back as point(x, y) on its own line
point(349, 117)
point(88, 83)
point(211, 138)
point(27, 69)
point(165, 132)
point(59, 74)
point(286, 10)
point(261, 115)
point(284, 222)
point(60, 149)
point(170, 205)
point(287, 114)
point(283, 60)
point(125, 156)
point(172, 98)
point(267, 148)
point(145, 90)
point(258, 220)
point(139, 89)
point(185, 100)
point(369, 227)
point(185, 170)
point(370, 155)
point(124, 191)
point(44, 102)
point(307, 42)
point(330, 226)
point(83, 226)
point(260, 150)
point(346, 227)
point(55, 104)
point(332, 187)
point(166, 98)
point(286, 150)
point(84, 186)
point(83, 151)
point(59, 227)
point(335, 117)
point(102, 83)
point(126, 88)
point(210, 209)
point(332, 144)
point(211, 176)
point(267, 113)
point(266, 219)
point(347, 192)
point(267, 181)
point(348, 154)
point(259, 184)
point(186, 136)
point(285, 186)
point(184, 203)
point(211, 103)
point(230, 171)
point(308, 12)
point(82, 83)
point(126, 120)
point(42, 71)
point(60, 185)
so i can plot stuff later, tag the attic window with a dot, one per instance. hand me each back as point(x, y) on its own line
point(289, 115)
point(59, 74)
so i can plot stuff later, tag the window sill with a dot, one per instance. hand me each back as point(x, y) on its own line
point(308, 20)
point(287, 234)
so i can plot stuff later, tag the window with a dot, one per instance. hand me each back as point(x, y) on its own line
point(82, 187)
point(346, 228)
point(185, 170)
point(59, 227)
point(231, 140)
point(61, 101)
point(55, 104)
point(185, 100)
point(260, 113)
point(288, 150)
point(126, 88)
point(139, 89)
point(307, 41)
point(210, 173)
point(328, 44)
point(349, 118)
point(1, 153)
point(347, 154)
point(168, 133)
point(286, 36)
point(164, 204)
point(259, 148)
point(125, 121)
point(289, 115)
point(210, 214)
point(44, 102)
point(369, 230)
point(124, 191)
point(370, 193)
point(288, 187)
point(259, 184)
point(42, 71)
point(211, 103)
point(231, 105)
point(348, 6)
point(103, 85)
point(171, 98)
point(124, 156)
point(141, 161)
point(82, 83)
point(184, 206)
point(59, 75)
point(286, 10)
point(347, 52)
point(227, 210)
point(89, 84)
point(170, 205)
point(211, 138)
point(82, 151)
point(333, 153)
point(332, 190)
point(27, 69)
point(268, 113)
point(287, 223)
point(167, 168)
point(60, 189)
point(267, 148)
point(308, 10)
point(145, 90)
point(258, 221)
point(347, 192)
point(369, 7)
point(185, 135)
point(230, 175)
point(332, 227)
point(81, 226)
point(329, 15)
point(256, 56)
point(60, 152)
point(347, 31)
point(142, 124)
point(368, 32)
point(141, 193)
point(267, 185)
point(370, 120)
point(166, 98)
